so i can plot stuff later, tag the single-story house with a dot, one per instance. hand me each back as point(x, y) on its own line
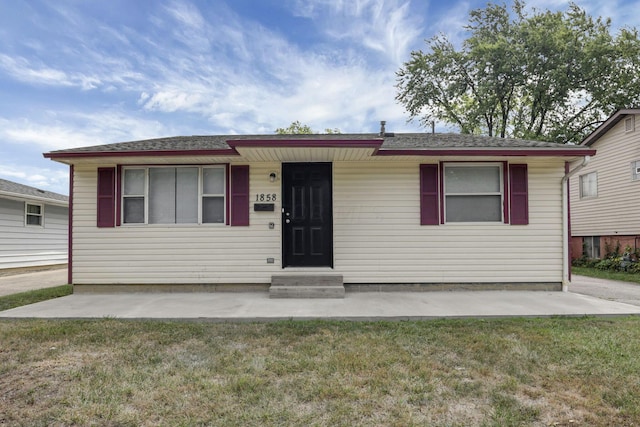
point(33, 226)
point(606, 195)
point(380, 211)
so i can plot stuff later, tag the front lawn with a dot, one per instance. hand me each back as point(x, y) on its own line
point(31, 297)
point(519, 372)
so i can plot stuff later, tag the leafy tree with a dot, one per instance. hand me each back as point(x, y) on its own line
point(298, 128)
point(551, 76)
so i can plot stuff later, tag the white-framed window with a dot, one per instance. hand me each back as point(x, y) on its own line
point(589, 185)
point(591, 247)
point(33, 214)
point(473, 192)
point(174, 195)
point(134, 184)
point(213, 186)
point(630, 124)
point(635, 170)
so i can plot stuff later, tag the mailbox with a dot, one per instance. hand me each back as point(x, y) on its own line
point(264, 207)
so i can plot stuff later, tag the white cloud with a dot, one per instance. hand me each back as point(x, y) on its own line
point(101, 72)
point(622, 14)
point(255, 79)
point(384, 26)
point(186, 13)
point(60, 130)
point(55, 178)
point(192, 29)
point(21, 69)
point(453, 23)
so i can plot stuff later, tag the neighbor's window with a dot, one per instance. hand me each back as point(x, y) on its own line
point(33, 214)
point(635, 170)
point(473, 192)
point(630, 124)
point(591, 246)
point(174, 195)
point(589, 185)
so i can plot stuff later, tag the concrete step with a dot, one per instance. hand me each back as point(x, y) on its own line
point(306, 280)
point(307, 286)
point(306, 292)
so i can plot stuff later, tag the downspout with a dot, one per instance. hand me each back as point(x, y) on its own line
point(566, 262)
point(70, 229)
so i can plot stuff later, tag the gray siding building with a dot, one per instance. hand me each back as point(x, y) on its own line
point(33, 226)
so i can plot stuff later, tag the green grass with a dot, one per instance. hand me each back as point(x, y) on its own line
point(513, 372)
point(603, 274)
point(30, 297)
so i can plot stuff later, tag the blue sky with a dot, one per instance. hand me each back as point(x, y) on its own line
point(80, 72)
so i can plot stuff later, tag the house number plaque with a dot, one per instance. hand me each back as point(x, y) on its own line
point(262, 197)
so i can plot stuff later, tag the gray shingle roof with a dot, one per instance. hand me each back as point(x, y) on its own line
point(400, 141)
point(25, 190)
point(416, 141)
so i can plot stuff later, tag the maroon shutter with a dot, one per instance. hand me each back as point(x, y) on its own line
point(118, 195)
point(505, 206)
point(519, 199)
point(106, 197)
point(239, 195)
point(429, 206)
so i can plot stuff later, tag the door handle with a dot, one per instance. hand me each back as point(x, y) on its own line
point(287, 220)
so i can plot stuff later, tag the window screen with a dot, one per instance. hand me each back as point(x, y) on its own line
point(473, 193)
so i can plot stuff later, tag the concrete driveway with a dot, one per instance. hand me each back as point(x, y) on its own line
point(612, 290)
point(16, 283)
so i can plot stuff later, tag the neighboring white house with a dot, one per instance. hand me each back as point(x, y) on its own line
point(605, 196)
point(403, 211)
point(33, 226)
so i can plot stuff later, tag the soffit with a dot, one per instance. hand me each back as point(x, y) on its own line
point(305, 154)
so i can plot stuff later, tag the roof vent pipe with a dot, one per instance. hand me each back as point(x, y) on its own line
point(382, 129)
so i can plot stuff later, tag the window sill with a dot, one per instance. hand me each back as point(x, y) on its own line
point(478, 223)
point(172, 225)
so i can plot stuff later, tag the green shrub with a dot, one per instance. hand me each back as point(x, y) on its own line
point(633, 267)
point(583, 261)
point(611, 252)
point(627, 262)
point(609, 264)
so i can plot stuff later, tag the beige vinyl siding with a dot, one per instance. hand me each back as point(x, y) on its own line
point(28, 246)
point(616, 209)
point(379, 239)
point(182, 253)
point(377, 236)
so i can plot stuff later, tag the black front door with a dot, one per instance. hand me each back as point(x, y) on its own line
point(307, 222)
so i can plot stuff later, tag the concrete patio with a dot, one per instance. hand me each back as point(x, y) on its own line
point(589, 297)
point(355, 306)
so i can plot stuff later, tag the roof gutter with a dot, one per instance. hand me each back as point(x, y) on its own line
point(21, 197)
point(566, 262)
